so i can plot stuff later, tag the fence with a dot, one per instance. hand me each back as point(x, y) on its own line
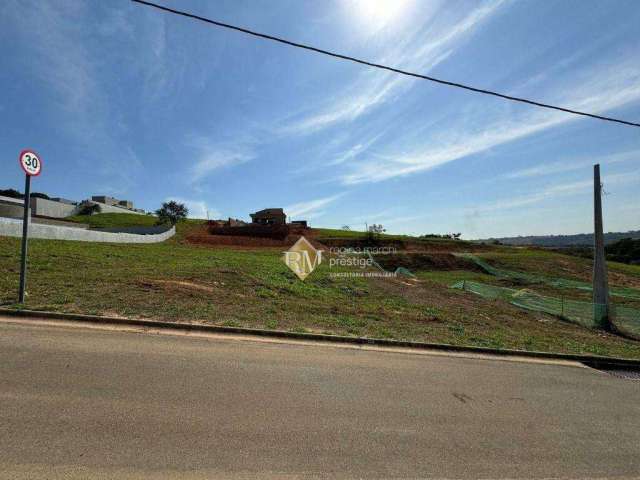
point(522, 277)
point(624, 319)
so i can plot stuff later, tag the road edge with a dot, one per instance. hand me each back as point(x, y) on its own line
point(589, 360)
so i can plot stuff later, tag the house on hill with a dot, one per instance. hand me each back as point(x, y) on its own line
point(269, 216)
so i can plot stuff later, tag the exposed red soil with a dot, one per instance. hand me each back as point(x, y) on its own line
point(407, 245)
point(201, 236)
point(426, 261)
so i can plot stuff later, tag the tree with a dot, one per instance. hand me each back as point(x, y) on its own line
point(11, 193)
point(346, 227)
point(172, 212)
point(88, 208)
point(373, 233)
point(40, 195)
point(626, 250)
point(377, 229)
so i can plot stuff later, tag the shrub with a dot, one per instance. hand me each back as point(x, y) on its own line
point(89, 209)
point(626, 250)
point(40, 195)
point(172, 212)
point(11, 193)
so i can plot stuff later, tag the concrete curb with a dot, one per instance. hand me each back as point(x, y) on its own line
point(590, 360)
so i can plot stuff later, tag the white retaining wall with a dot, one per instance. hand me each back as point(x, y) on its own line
point(50, 208)
point(11, 227)
point(12, 211)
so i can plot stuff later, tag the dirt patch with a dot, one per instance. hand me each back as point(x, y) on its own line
point(224, 240)
point(560, 266)
point(403, 245)
point(201, 236)
point(177, 285)
point(426, 261)
point(622, 280)
point(113, 314)
point(425, 293)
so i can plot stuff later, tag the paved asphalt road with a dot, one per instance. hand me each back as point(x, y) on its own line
point(83, 403)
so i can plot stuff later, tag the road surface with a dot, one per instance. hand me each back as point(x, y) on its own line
point(84, 403)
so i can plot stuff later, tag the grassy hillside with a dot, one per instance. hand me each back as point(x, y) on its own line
point(180, 282)
point(330, 233)
point(109, 220)
point(336, 233)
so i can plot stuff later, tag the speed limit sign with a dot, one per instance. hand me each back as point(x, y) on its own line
point(32, 166)
point(30, 163)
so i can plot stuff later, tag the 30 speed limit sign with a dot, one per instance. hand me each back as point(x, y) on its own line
point(30, 163)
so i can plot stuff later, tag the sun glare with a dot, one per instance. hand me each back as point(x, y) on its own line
point(377, 14)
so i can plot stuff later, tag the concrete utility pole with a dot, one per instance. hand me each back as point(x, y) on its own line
point(600, 283)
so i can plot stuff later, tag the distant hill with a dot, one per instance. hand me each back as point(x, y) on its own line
point(580, 239)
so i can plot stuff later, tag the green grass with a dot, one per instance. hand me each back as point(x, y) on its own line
point(176, 281)
point(330, 233)
point(631, 270)
point(110, 220)
point(554, 265)
point(181, 282)
point(449, 277)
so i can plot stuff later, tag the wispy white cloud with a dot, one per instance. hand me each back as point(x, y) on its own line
point(429, 46)
point(557, 191)
point(354, 151)
point(570, 165)
point(197, 208)
point(71, 75)
point(311, 208)
point(214, 159)
point(606, 92)
point(62, 59)
point(213, 156)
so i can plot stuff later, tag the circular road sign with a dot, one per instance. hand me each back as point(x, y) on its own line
point(30, 163)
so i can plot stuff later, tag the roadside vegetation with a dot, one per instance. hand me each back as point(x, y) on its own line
point(112, 220)
point(182, 282)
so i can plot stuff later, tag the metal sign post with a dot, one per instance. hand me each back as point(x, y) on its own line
point(32, 166)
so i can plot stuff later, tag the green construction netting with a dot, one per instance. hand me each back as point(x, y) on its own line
point(627, 321)
point(624, 319)
point(522, 277)
point(398, 271)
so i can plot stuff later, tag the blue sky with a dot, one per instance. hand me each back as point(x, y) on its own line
point(124, 100)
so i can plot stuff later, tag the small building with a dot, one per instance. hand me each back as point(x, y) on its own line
point(115, 202)
point(64, 200)
point(269, 216)
point(104, 199)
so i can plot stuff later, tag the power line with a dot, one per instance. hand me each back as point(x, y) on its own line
point(382, 67)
